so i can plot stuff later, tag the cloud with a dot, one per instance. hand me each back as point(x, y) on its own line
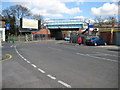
point(54, 8)
point(87, 20)
point(68, 0)
point(106, 20)
point(80, 17)
point(91, 21)
point(106, 10)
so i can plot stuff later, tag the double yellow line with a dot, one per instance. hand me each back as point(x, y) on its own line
point(9, 57)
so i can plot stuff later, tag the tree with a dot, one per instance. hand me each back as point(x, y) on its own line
point(14, 13)
point(105, 20)
point(110, 18)
point(99, 20)
point(9, 19)
point(39, 18)
point(20, 11)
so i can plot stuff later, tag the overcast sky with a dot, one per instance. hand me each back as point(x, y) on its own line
point(67, 8)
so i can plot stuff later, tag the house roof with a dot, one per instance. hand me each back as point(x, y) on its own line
point(42, 31)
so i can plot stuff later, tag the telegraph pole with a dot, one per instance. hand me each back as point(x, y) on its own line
point(113, 24)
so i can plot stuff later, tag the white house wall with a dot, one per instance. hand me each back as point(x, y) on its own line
point(2, 34)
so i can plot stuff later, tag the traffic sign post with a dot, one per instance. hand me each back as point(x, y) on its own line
point(89, 26)
point(7, 26)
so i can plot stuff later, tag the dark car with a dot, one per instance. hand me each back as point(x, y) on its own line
point(95, 41)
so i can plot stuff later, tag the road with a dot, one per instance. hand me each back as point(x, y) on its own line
point(48, 64)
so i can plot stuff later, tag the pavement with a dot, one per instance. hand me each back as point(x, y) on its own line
point(107, 46)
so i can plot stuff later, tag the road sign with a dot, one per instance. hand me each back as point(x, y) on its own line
point(7, 26)
point(91, 26)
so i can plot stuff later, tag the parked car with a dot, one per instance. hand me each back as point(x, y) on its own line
point(95, 41)
point(67, 38)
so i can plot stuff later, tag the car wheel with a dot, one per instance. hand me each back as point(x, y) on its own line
point(95, 44)
point(105, 44)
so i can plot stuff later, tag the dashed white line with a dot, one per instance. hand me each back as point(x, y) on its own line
point(65, 84)
point(50, 76)
point(18, 52)
point(28, 61)
point(25, 59)
point(107, 54)
point(81, 54)
point(22, 57)
point(42, 71)
point(34, 65)
point(97, 57)
point(102, 58)
point(11, 45)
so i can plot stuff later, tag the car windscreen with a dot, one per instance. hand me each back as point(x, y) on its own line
point(67, 37)
point(94, 38)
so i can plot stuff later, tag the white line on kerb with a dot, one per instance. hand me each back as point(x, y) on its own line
point(41, 70)
point(65, 84)
point(50, 76)
point(34, 65)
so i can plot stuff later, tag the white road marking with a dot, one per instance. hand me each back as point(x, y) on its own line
point(81, 54)
point(102, 58)
point(65, 84)
point(97, 57)
point(25, 59)
point(50, 76)
point(34, 65)
point(11, 45)
point(28, 61)
point(41, 70)
point(18, 52)
point(107, 54)
point(22, 57)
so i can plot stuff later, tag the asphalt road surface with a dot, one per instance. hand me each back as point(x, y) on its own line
point(48, 64)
